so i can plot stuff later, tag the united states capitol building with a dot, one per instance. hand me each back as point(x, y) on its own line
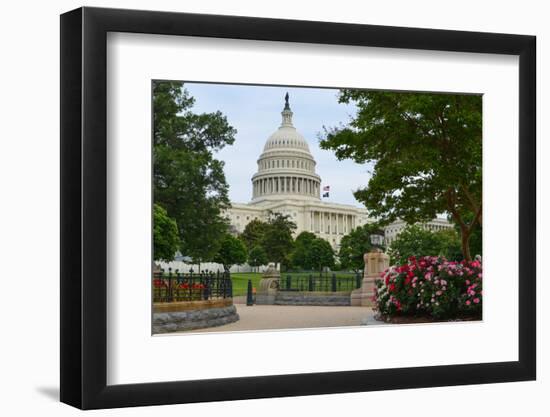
point(287, 182)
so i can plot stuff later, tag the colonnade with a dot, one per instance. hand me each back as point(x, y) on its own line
point(326, 222)
point(286, 185)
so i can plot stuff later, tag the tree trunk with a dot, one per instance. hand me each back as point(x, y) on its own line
point(465, 229)
point(465, 239)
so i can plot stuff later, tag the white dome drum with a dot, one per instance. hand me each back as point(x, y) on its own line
point(286, 168)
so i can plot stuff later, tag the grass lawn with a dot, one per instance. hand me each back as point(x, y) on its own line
point(240, 281)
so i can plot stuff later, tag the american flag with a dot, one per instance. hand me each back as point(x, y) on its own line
point(326, 188)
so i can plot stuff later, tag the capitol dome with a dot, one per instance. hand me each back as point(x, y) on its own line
point(286, 168)
point(286, 137)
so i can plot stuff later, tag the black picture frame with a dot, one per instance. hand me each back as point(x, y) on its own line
point(84, 207)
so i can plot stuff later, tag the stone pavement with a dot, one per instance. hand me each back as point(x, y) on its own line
point(268, 317)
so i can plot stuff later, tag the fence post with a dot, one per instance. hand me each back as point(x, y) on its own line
point(157, 291)
point(161, 298)
point(175, 290)
point(170, 296)
point(288, 282)
point(226, 283)
point(333, 282)
point(205, 285)
point(357, 280)
point(249, 299)
point(310, 282)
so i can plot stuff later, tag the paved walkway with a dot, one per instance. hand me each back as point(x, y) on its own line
point(294, 317)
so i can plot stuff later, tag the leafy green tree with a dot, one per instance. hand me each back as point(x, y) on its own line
point(354, 245)
point(305, 238)
point(416, 241)
point(311, 252)
point(413, 241)
point(426, 151)
point(320, 254)
point(450, 245)
point(177, 126)
point(232, 251)
point(165, 235)
point(188, 181)
point(253, 233)
point(300, 254)
point(277, 240)
point(257, 257)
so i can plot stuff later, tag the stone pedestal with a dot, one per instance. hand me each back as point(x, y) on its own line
point(269, 285)
point(375, 263)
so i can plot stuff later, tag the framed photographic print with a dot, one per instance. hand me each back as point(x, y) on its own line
point(281, 208)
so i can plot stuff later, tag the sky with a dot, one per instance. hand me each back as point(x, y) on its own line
point(255, 111)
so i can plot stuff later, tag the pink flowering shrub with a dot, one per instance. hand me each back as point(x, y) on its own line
point(430, 286)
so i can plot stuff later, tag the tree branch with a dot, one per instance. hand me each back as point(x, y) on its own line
point(451, 205)
point(477, 218)
point(475, 206)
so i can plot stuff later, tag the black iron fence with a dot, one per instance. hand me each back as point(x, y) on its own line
point(176, 286)
point(325, 282)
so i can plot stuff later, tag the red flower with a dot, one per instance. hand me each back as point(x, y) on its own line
point(159, 283)
point(475, 264)
point(392, 287)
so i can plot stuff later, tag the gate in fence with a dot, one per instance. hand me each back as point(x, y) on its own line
point(321, 283)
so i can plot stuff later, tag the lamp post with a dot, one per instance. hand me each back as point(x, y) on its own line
point(377, 240)
point(376, 261)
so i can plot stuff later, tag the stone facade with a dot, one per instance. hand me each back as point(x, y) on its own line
point(193, 319)
point(313, 298)
point(392, 231)
point(328, 221)
point(375, 263)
